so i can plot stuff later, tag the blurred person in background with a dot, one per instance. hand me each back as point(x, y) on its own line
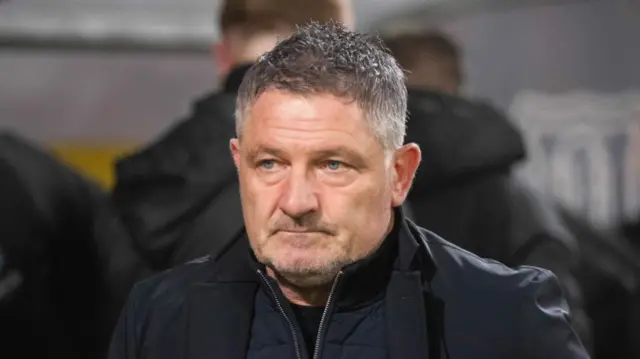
point(178, 196)
point(65, 268)
point(609, 274)
point(464, 188)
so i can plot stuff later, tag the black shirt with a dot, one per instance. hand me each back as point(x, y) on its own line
point(308, 319)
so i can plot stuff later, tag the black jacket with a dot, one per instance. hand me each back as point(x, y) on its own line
point(177, 192)
point(439, 299)
point(464, 191)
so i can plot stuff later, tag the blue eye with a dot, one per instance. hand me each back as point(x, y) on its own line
point(267, 164)
point(334, 165)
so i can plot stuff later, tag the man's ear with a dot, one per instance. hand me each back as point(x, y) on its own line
point(405, 164)
point(234, 145)
point(222, 58)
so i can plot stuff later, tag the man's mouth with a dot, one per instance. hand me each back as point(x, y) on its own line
point(298, 231)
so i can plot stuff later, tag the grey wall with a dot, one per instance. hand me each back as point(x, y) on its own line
point(556, 48)
point(54, 95)
point(57, 96)
point(160, 22)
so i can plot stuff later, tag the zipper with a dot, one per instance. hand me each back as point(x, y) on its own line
point(327, 308)
point(281, 309)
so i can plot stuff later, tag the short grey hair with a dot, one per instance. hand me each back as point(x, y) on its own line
point(328, 58)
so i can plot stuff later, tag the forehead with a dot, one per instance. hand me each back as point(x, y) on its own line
point(311, 120)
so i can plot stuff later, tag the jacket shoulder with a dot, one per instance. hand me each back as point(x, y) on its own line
point(467, 267)
point(154, 310)
point(169, 286)
point(523, 306)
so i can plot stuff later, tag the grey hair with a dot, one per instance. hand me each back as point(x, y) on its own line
point(328, 58)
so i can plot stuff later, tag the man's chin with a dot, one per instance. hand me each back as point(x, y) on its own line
point(305, 279)
point(304, 267)
point(301, 273)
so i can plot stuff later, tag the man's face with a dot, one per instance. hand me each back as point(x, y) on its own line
point(316, 184)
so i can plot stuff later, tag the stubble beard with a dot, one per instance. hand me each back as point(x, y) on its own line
point(307, 277)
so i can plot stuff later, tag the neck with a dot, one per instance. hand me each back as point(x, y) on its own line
point(241, 49)
point(313, 296)
point(249, 48)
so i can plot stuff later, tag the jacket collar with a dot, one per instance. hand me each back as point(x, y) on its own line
point(220, 309)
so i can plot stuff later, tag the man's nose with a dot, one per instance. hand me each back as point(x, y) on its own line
point(299, 197)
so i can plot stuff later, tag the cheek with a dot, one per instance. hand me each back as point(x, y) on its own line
point(248, 207)
point(360, 208)
point(257, 202)
point(363, 222)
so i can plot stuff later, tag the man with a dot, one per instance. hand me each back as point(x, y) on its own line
point(328, 267)
point(178, 192)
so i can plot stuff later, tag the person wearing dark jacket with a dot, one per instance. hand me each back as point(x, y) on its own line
point(464, 189)
point(63, 280)
point(327, 265)
point(180, 192)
